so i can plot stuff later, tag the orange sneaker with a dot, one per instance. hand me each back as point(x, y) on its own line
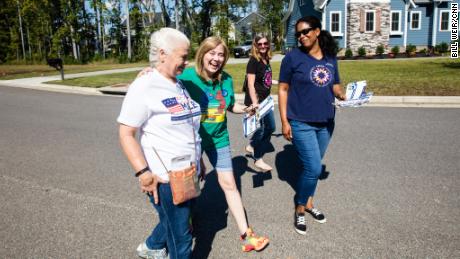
point(253, 242)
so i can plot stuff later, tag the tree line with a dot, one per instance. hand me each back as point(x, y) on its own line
point(82, 31)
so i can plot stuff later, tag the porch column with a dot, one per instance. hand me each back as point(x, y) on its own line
point(435, 23)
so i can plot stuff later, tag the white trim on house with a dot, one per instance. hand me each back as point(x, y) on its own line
point(323, 19)
point(411, 13)
point(289, 11)
point(345, 45)
point(406, 13)
point(373, 21)
point(369, 1)
point(247, 16)
point(339, 32)
point(411, 2)
point(434, 27)
point(449, 22)
point(397, 32)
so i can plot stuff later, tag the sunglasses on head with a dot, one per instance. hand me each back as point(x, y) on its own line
point(303, 32)
point(262, 44)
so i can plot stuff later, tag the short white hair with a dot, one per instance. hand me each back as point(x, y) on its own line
point(166, 39)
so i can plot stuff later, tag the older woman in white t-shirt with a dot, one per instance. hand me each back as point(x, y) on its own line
point(168, 121)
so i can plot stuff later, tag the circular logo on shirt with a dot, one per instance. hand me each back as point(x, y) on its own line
point(268, 77)
point(320, 75)
point(224, 93)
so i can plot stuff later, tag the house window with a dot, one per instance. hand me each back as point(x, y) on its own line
point(444, 21)
point(370, 21)
point(415, 21)
point(396, 21)
point(335, 23)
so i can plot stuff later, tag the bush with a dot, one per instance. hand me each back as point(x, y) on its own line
point(348, 53)
point(380, 49)
point(361, 51)
point(444, 47)
point(423, 51)
point(395, 50)
point(410, 49)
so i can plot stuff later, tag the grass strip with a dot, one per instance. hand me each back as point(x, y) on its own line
point(419, 77)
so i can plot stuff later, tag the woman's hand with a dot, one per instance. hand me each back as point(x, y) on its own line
point(251, 109)
point(286, 129)
point(144, 71)
point(149, 183)
point(341, 97)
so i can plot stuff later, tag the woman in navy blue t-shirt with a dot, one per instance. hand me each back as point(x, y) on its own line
point(309, 81)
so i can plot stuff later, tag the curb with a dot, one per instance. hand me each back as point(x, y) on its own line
point(376, 101)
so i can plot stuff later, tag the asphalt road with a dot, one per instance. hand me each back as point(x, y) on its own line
point(392, 187)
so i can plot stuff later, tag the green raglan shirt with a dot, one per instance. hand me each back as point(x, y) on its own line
point(214, 99)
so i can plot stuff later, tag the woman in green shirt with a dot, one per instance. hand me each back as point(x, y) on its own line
point(212, 88)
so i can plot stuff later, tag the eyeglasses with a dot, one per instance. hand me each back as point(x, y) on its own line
point(303, 32)
point(260, 44)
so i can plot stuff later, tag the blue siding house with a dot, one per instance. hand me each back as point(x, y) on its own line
point(369, 23)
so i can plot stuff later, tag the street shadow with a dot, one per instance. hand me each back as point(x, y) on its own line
point(258, 178)
point(210, 210)
point(289, 166)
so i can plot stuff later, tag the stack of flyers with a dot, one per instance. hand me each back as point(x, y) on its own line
point(251, 122)
point(356, 95)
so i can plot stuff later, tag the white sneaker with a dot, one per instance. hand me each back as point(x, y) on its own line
point(262, 166)
point(144, 252)
point(250, 150)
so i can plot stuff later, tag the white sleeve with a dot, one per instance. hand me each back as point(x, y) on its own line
point(134, 111)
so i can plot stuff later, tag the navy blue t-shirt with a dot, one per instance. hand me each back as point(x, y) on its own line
point(311, 81)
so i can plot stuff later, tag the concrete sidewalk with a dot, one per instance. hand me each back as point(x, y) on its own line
point(38, 83)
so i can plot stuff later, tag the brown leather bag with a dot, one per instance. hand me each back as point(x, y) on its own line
point(184, 184)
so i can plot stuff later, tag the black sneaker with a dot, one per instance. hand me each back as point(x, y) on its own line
point(299, 223)
point(316, 214)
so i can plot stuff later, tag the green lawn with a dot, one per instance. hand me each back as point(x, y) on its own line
point(439, 77)
point(22, 71)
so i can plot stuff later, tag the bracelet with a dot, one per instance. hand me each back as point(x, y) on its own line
point(147, 168)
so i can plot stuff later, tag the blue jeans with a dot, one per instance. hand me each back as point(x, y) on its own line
point(173, 229)
point(220, 159)
point(310, 141)
point(262, 136)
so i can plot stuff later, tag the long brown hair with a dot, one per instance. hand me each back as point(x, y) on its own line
point(255, 50)
point(208, 44)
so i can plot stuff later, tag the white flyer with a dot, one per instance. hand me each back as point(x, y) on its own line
point(251, 122)
point(356, 95)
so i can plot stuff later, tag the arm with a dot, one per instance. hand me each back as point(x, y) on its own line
point(282, 102)
point(148, 181)
point(252, 90)
point(338, 92)
point(240, 108)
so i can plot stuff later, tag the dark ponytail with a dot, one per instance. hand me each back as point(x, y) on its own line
point(327, 43)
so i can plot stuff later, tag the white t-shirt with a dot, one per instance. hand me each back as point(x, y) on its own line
point(167, 117)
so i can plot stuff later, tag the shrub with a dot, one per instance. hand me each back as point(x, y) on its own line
point(395, 50)
point(410, 49)
point(380, 49)
point(441, 47)
point(444, 47)
point(348, 53)
point(361, 51)
point(423, 51)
